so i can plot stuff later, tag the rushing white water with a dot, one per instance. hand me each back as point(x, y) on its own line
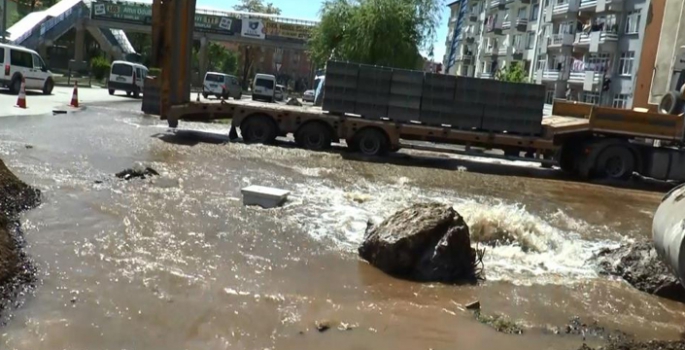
point(521, 247)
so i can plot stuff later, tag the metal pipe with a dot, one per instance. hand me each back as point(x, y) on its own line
point(668, 231)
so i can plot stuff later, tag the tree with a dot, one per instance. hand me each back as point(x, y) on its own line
point(249, 55)
point(513, 73)
point(28, 6)
point(257, 6)
point(382, 32)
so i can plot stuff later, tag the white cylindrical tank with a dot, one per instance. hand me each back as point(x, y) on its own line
point(668, 231)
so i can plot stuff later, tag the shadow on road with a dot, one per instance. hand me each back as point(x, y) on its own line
point(192, 137)
point(28, 93)
point(439, 161)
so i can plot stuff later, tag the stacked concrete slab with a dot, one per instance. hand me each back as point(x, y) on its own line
point(405, 96)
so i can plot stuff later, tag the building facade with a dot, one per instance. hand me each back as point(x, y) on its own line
point(594, 51)
point(591, 50)
point(494, 34)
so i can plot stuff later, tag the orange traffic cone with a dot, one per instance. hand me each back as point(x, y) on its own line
point(21, 100)
point(74, 96)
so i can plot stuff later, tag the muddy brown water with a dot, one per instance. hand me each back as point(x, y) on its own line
point(176, 262)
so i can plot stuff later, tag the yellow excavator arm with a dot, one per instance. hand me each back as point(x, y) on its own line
point(172, 44)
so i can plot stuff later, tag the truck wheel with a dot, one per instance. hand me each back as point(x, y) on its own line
point(616, 163)
point(172, 123)
point(313, 136)
point(371, 142)
point(259, 129)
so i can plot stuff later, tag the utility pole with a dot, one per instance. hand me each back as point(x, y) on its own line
point(3, 29)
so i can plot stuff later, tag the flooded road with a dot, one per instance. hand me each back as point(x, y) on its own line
point(176, 261)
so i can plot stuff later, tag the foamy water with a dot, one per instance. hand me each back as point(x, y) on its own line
point(521, 247)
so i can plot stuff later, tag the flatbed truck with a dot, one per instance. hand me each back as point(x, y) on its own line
point(585, 140)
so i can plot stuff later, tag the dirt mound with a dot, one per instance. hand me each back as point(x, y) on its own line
point(425, 242)
point(15, 268)
point(639, 265)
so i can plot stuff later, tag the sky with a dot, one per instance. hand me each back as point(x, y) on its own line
point(309, 9)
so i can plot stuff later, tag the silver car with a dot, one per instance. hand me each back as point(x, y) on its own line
point(308, 96)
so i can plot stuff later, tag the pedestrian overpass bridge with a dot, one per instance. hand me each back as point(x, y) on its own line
point(106, 21)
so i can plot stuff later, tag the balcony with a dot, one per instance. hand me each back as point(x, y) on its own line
point(594, 39)
point(490, 51)
point(563, 7)
point(577, 77)
point(465, 59)
point(473, 17)
point(485, 75)
point(503, 51)
point(587, 4)
point(560, 39)
point(496, 3)
point(506, 24)
point(551, 75)
point(496, 28)
point(522, 22)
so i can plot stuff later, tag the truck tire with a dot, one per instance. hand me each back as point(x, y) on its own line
point(671, 103)
point(314, 136)
point(259, 129)
point(371, 142)
point(615, 162)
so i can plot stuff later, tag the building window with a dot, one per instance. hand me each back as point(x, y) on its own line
point(633, 22)
point(530, 41)
point(625, 65)
point(621, 101)
point(534, 14)
point(464, 71)
point(517, 42)
point(591, 97)
point(522, 12)
point(597, 62)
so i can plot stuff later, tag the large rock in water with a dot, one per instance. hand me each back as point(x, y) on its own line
point(640, 266)
point(425, 242)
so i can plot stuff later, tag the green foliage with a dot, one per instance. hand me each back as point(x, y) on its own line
point(382, 32)
point(155, 72)
point(513, 73)
point(100, 67)
point(500, 323)
point(257, 6)
point(221, 59)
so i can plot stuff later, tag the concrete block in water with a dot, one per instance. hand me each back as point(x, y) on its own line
point(265, 197)
point(668, 231)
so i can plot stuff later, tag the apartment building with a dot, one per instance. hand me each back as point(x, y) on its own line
point(494, 33)
point(461, 54)
point(589, 50)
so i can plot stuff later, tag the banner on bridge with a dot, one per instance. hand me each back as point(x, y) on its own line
point(287, 30)
point(136, 13)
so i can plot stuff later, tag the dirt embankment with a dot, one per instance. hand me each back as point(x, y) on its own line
point(16, 270)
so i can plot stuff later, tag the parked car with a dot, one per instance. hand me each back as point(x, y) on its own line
point(128, 77)
point(18, 62)
point(264, 87)
point(221, 85)
point(279, 94)
point(308, 96)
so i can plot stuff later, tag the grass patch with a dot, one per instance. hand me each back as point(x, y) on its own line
point(500, 323)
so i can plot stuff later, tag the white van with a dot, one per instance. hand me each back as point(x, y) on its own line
point(221, 85)
point(17, 62)
point(263, 87)
point(126, 76)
